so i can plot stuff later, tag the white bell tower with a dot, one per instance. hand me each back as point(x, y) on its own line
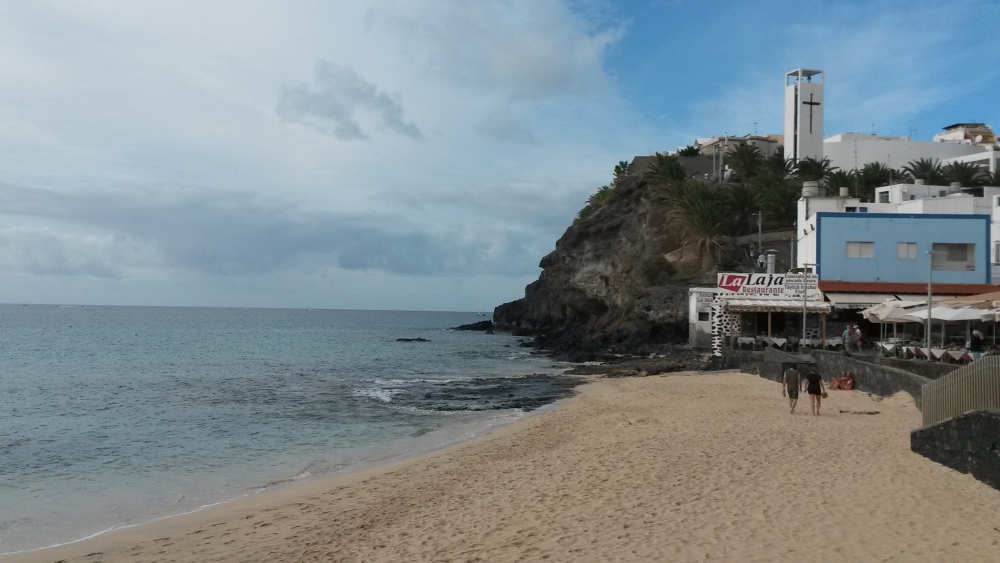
point(804, 114)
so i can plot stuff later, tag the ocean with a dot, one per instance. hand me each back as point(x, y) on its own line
point(114, 416)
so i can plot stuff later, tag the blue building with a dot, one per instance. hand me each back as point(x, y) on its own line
point(893, 247)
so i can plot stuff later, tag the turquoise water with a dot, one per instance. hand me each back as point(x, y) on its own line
point(112, 416)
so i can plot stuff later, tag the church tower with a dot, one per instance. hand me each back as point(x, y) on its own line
point(804, 114)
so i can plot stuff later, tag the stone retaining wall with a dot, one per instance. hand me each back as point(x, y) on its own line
point(868, 377)
point(930, 370)
point(872, 378)
point(966, 443)
point(743, 360)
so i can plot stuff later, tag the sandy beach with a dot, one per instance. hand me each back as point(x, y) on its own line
point(682, 467)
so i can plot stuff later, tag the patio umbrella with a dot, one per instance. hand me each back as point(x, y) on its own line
point(890, 311)
point(949, 314)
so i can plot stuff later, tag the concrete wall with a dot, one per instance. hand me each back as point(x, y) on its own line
point(895, 154)
point(868, 377)
point(872, 378)
point(773, 363)
point(746, 361)
point(930, 370)
point(834, 230)
point(967, 443)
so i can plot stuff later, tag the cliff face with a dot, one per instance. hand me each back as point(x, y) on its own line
point(607, 286)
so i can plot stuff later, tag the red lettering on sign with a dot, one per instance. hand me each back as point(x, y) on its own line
point(732, 282)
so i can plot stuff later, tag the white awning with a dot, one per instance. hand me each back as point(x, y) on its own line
point(775, 305)
point(857, 300)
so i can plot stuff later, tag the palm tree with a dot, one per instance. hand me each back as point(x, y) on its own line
point(689, 150)
point(665, 173)
point(874, 175)
point(777, 164)
point(621, 170)
point(699, 213)
point(778, 197)
point(839, 179)
point(595, 202)
point(813, 169)
point(746, 160)
point(991, 178)
point(741, 204)
point(966, 174)
point(927, 169)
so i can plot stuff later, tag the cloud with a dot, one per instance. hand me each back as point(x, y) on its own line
point(233, 234)
point(43, 251)
point(527, 50)
point(501, 125)
point(332, 104)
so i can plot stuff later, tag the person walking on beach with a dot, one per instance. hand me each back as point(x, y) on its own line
point(848, 336)
point(790, 383)
point(816, 389)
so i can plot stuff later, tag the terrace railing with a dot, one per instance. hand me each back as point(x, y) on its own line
point(969, 388)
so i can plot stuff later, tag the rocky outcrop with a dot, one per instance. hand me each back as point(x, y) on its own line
point(481, 325)
point(607, 287)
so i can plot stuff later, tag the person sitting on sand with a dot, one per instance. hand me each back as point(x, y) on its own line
point(845, 382)
point(815, 388)
point(790, 382)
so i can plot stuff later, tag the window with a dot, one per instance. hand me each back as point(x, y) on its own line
point(996, 253)
point(906, 250)
point(860, 249)
point(863, 209)
point(951, 256)
point(883, 197)
point(850, 209)
point(703, 316)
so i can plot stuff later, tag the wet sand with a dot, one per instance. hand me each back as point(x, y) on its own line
point(681, 467)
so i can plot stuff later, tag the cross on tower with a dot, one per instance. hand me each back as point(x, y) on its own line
point(810, 103)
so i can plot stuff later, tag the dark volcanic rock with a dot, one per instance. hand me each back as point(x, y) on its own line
point(607, 287)
point(481, 325)
point(418, 339)
point(627, 366)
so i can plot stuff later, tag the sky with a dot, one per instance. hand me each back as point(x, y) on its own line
point(404, 154)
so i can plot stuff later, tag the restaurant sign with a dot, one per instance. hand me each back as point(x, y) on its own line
point(775, 286)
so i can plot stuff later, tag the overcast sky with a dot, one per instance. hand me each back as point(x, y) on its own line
point(404, 154)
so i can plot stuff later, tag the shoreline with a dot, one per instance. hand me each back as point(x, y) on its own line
point(122, 535)
point(371, 458)
point(673, 467)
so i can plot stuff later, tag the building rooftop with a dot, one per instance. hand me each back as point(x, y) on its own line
point(965, 125)
point(906, 287)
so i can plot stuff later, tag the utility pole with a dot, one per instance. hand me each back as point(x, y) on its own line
point(805, 292)
point(760, 241)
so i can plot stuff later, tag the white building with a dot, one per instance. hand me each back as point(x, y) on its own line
point(856, 245)
point(968, 134)
point(804, 114)
point(849, 151)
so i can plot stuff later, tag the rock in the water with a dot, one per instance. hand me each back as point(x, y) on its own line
point(418, 339)
point(481, 325)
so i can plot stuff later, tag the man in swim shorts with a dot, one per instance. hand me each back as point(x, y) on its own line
point(791, 381)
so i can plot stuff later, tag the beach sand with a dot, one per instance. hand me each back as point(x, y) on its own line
point(681, 467)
